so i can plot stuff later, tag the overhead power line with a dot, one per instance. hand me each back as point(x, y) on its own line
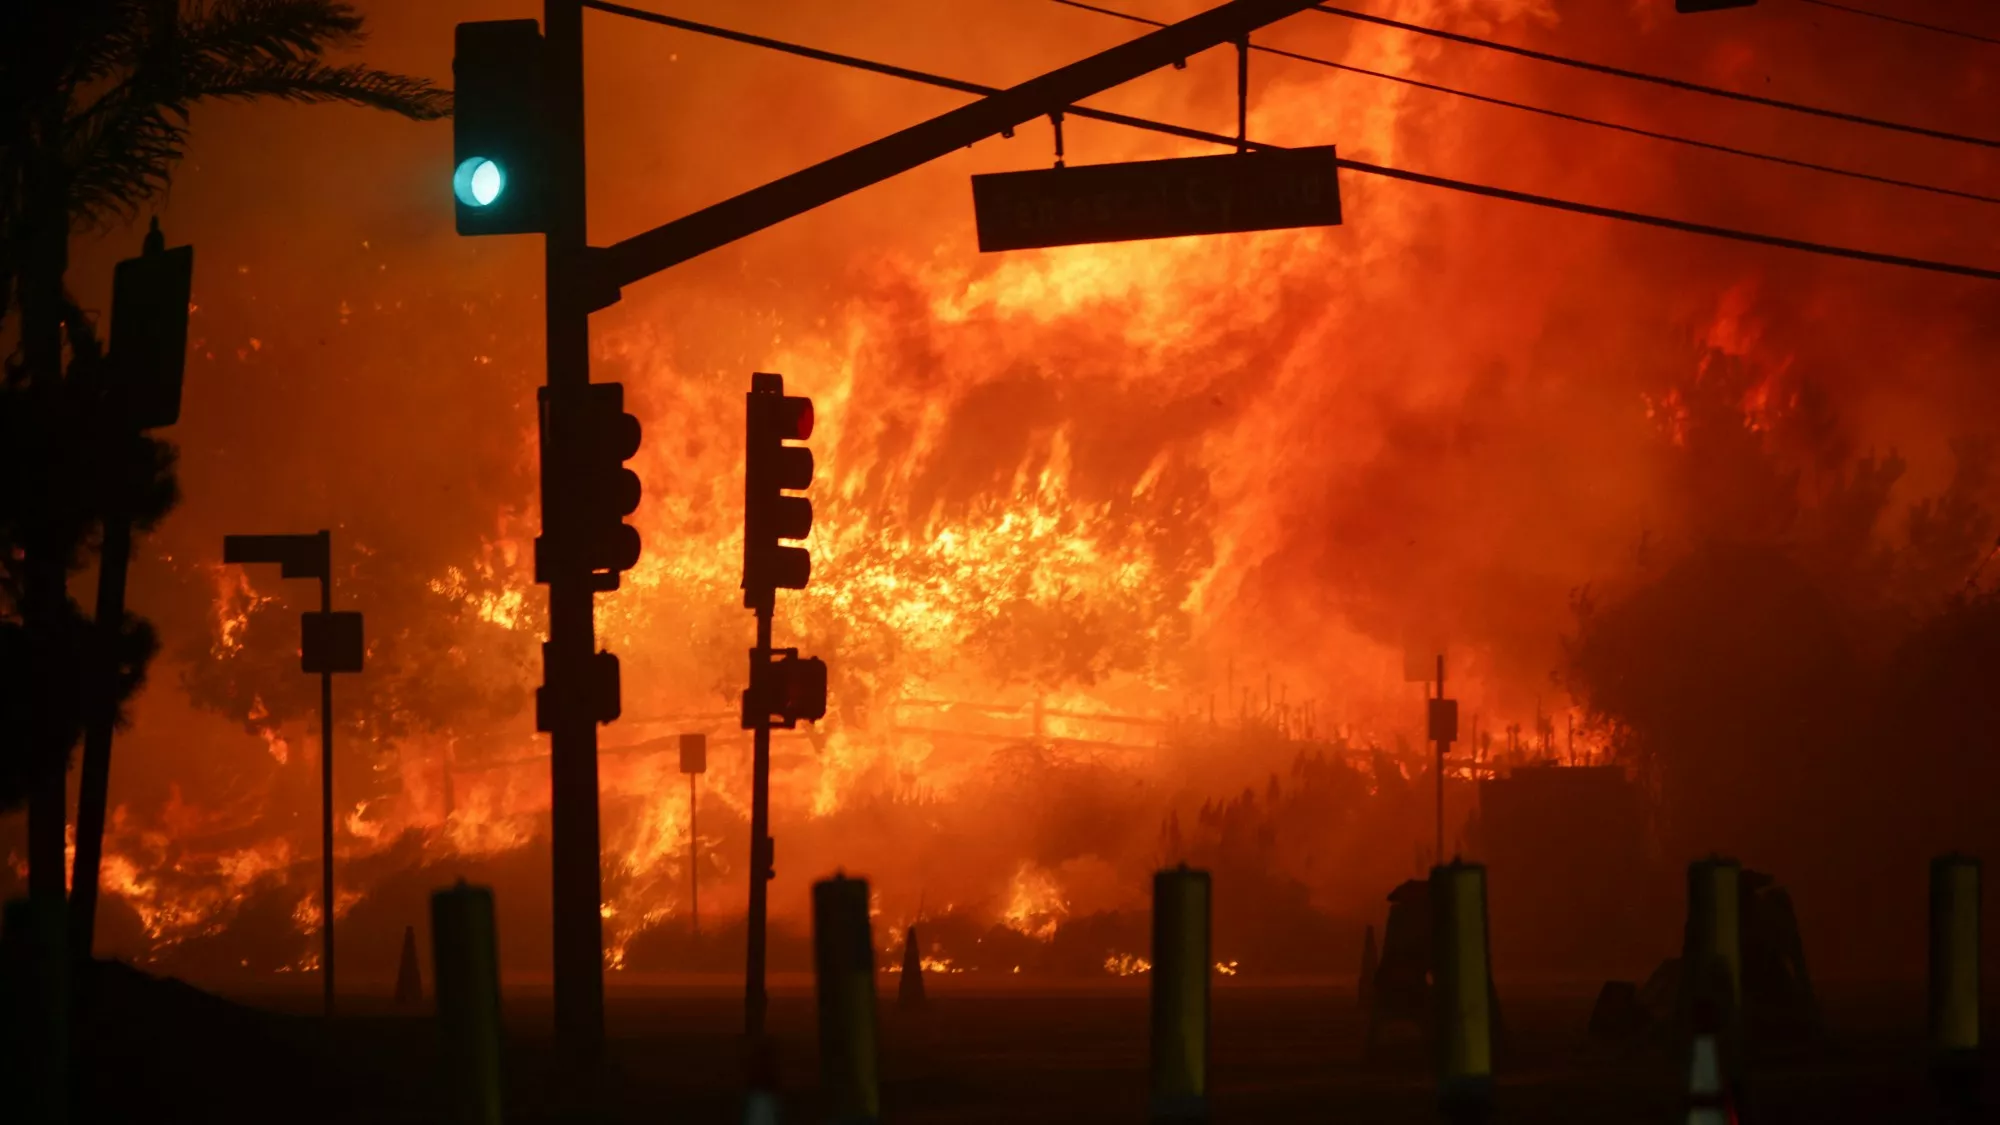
point(1660, 80)
point(1886, 17)
point(1632, 130)
point(1363, 167)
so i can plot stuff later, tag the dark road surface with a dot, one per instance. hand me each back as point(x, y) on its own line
point(1281, 1054)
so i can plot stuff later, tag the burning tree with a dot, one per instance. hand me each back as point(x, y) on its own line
point(97, 115)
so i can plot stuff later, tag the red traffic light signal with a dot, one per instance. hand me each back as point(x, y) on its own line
point(772, 468)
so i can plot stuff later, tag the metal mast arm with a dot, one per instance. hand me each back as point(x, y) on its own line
point(687, 237)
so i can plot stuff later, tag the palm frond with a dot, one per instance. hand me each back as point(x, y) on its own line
point(249, 31)
point(355, 84)
point(122, 147)
point(105, 38)
point(121, 158)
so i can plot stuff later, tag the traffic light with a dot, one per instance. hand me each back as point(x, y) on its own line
point(149, 328)
point(771, 468)
point(1685, 6)
point(498, 131)
point(605, 440)
point(785, 690)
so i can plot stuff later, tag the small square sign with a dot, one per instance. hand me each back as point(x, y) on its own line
point(1444, 720)
point(694, 753)
point(330, 642)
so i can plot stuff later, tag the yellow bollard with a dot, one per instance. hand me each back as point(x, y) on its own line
point(1463, 993)
point(1954, 975)
point(465, 967)
point(844, 972)
point(1180, 995)
point(1712, 946)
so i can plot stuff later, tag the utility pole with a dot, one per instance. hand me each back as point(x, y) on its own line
point(1443, 723)
point(1440, 767)
point(694, 762)
point(789, 688)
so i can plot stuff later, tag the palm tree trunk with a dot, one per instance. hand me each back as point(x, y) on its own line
point(45, 593)
point(44, 598)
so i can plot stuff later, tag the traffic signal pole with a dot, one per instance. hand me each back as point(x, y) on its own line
point(755, 1000)
point(1439, 737)
point(572, 725)
point(580, 279)
point(326, 809)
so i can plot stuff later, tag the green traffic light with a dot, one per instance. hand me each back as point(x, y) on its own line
point(478, 182)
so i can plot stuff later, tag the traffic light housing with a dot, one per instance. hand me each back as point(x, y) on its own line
point(499, 152)
point(771, 468)
point(587, 437)
point(149, 329)
point(606, 439)
point(785, 690)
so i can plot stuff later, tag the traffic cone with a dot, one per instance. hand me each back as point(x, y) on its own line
point(760, 1094)
point(1364, 991)
point(409, 978)
point(910, 992)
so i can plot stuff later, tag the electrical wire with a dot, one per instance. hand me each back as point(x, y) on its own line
point(1659, 80)
point(1887, 18)
point(1632, 130)
point(1364, 167)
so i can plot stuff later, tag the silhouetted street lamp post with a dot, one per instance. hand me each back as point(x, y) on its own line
point(329, 642)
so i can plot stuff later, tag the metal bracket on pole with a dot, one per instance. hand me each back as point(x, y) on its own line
point(599, 289)
point(645, 254)
point(1243, 93)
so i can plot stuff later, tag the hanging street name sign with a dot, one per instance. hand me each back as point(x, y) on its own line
point(1276, 189)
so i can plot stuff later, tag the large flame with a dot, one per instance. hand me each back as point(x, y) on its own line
point(1068, 503)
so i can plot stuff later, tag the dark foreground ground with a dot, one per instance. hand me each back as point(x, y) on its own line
point(1281, 1053)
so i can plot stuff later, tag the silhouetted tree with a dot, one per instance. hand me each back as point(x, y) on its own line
point(1732, 683)
point(95, 97)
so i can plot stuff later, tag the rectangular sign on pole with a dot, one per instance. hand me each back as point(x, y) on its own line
point(330, 642)
point(694, 753)
point(1443, 724)
point(1275, 189)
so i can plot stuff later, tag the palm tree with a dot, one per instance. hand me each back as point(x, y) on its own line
point(95, 104)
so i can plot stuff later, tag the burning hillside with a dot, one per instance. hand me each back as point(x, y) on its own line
point(1076, 510)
